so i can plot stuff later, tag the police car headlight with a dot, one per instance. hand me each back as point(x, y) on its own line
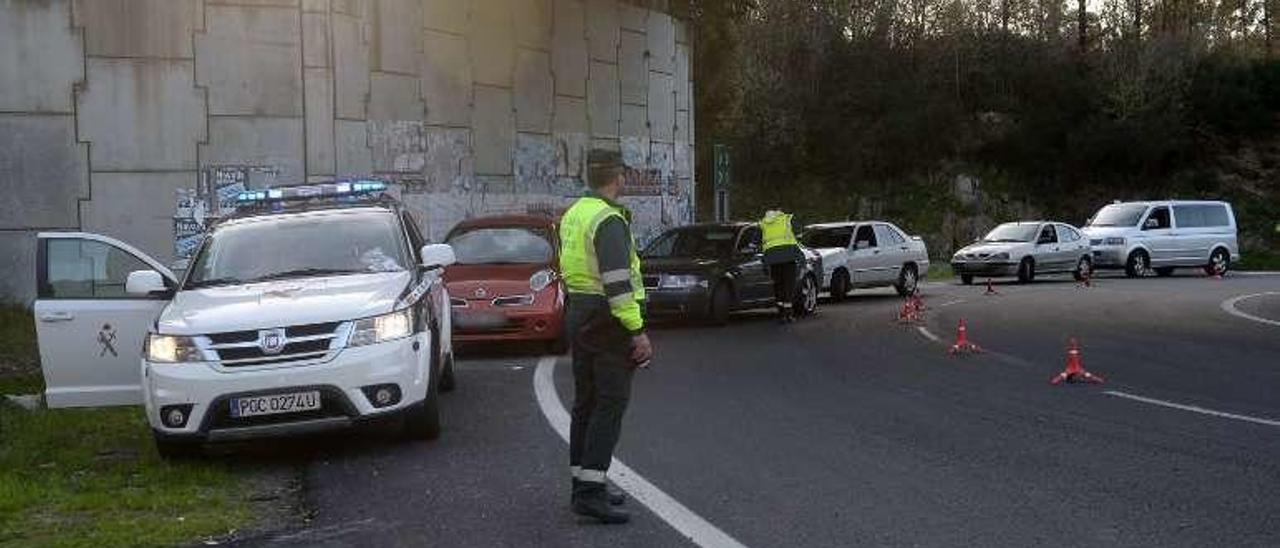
point(679, 281)
point(387, 327)
point(171, 349)
point(541, 279)
point(1002, 256)
point(1113, 241)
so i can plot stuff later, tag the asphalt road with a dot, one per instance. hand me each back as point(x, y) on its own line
point(850, 429)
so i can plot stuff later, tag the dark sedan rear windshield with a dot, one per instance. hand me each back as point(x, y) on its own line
point(827, 237)
point(509, 245)
point(693, 243)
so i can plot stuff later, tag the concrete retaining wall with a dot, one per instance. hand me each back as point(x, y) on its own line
point(111, 110)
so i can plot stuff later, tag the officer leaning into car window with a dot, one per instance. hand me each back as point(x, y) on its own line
point(606, 295)
point(783, 256)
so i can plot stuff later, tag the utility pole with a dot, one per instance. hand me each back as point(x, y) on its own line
point(1082, 15)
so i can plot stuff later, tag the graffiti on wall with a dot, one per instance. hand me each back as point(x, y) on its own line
point(195, 209)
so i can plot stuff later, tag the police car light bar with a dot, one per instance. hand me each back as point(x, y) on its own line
point(304, 192)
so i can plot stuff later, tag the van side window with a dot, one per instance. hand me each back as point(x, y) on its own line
point(1215, 215)
point(1158, 219)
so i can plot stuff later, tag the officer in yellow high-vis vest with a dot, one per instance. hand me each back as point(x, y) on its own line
point(783, 257)
point(601, 270)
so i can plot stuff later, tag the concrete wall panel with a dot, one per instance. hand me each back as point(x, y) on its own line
point(141, 115)
point(446, 79)
point(269, 142)
point(350, 68)
point(533, 23)
point(570, 116)
point(43, 171)
point(137, 208)
point(603, 100)
point(315, 39)
point(450, 164)
point(603, 30)
point(661, 43)
point(569, 48)
point(249, 61)
point(492, 42)
point(38, 30)
point(535, 163)
point(494, 125)
point(662, 107)
point(351, 150)
point(18, 270)
point(684, 91)
point(398, 146)
point(319, 122)
point(137, 28)
point(633, 68)
point(634, 121)
point(534, 91)
point(395, 97)
point(633, 17)
point(398, 42)
point(446, 15)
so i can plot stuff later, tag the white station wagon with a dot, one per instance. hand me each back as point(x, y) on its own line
point(863, 254)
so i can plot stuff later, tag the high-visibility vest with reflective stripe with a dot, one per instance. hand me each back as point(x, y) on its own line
point(776, 231)
point(578, 262)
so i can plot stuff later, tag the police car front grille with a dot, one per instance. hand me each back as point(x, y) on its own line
point(303, 342)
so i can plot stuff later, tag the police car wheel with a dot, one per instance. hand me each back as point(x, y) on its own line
point(422, 420)
point(840, 285)
point(1026, 271)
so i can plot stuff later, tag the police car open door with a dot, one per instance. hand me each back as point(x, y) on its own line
point(90, 329)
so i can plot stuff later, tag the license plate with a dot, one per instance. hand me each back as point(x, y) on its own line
point(275, 404)
point(481, 320)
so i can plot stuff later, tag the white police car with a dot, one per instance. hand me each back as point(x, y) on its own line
point(312, 308)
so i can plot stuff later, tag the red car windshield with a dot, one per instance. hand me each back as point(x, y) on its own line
point(507, 245)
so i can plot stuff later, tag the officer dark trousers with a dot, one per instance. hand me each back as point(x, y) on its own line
point(784, 283)
point(602, 371)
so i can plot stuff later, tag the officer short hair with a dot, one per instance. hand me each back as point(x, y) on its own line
point(603, 166)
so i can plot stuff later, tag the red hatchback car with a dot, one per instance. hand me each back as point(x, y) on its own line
point(506, 284)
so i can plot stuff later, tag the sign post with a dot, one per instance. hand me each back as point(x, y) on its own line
point(723, 170)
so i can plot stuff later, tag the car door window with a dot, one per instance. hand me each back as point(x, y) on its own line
point(888, 235)
point(1158, 219)
point(749, 241)
point(865, 238)
point(86, 269)
point(1047, 235)
point(1067, 234)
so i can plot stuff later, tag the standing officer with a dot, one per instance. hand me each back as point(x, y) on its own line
point(602, 274)
point(782, 255)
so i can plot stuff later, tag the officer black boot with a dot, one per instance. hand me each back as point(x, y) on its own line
point(591, 499)
point(616, 496)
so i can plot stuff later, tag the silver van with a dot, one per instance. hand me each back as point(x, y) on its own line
point(1145, 237)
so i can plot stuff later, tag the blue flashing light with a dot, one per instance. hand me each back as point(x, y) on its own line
point(346, 189)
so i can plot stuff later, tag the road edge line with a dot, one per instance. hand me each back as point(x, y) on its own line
point(1229, 306)
point(928, 334)
point(670, 510)
point(1192, 408)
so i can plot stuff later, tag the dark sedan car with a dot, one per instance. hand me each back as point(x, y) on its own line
point(708, 271)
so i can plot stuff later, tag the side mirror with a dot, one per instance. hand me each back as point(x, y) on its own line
point(143, 283)
point(437, 256)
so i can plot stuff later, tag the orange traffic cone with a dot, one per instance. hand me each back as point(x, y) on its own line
point(1086, 279)
point(962, 345)
point(991, 289)
point(912, 309)
point(1075, 368)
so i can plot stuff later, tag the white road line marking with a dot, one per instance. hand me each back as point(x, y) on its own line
point(949, 303)
point(928, 334)
point(1229, 306)
point(677, 515)
point(1192, 408)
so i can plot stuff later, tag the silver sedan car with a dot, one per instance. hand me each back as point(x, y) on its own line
point(1025, 249)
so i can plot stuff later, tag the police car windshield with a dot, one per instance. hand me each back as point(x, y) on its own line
point(1013, 232)
point(514, 245)
point(693, 243)
point(1118, 215)
point(298, 246)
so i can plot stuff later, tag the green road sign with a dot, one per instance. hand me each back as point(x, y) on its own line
point(723, 165)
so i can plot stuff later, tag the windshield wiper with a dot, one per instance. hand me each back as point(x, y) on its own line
point(306, 272)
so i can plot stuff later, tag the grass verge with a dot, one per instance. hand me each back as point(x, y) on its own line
point(939, 272)
point(1258, 261)
point(91, 477)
